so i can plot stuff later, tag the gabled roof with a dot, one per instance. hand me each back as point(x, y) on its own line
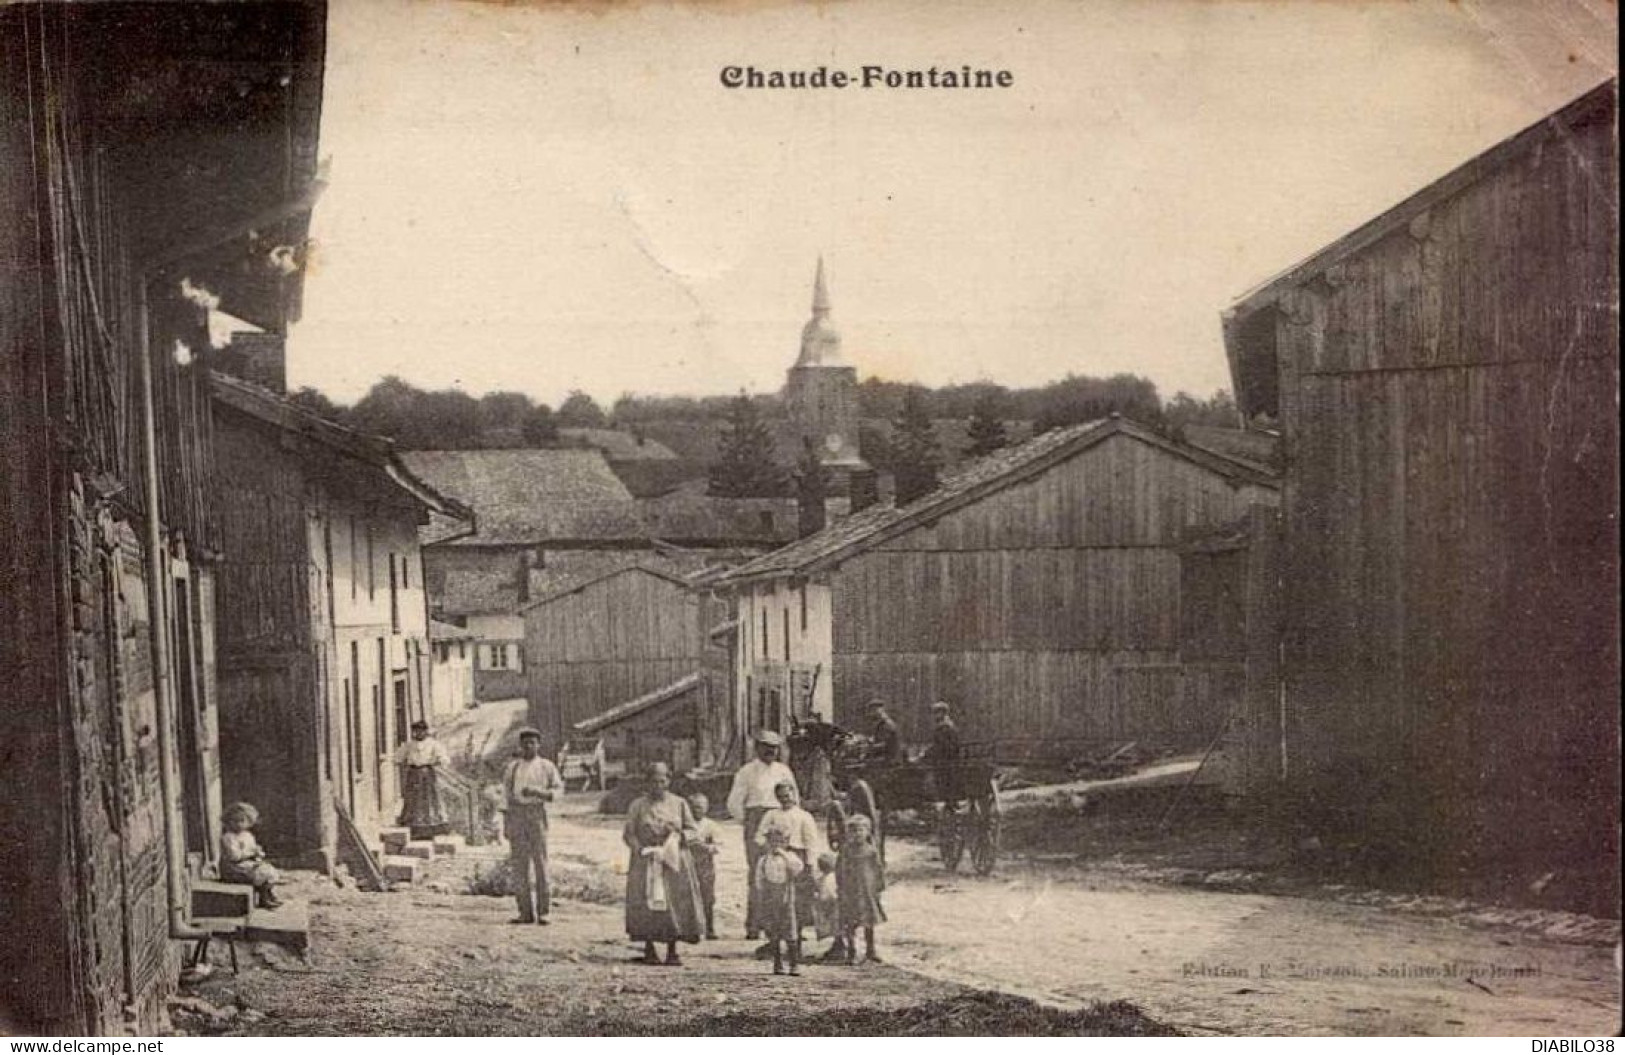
point(622, 711)
point(375, 452)
point(975, 481)
point(1248, 337)
point(532, 496)
point(629, 569)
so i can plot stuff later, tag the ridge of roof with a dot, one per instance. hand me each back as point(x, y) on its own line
point(976, 480)
point(1452, 182)
point(276, 409)
point(596, 579)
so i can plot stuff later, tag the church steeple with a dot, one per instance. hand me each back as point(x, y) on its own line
point(820, 343)
point(820, 290)
point(821, 391)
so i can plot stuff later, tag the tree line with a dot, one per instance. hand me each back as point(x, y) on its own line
point(746, 464)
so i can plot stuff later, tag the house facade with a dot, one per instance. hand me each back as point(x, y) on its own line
point(140, 171)
point(1045, 591)
point(451, 671)
point(1446, 380)
point(324, 634)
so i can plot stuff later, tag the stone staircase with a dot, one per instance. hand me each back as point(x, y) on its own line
point(401, 858)
point(227, 911)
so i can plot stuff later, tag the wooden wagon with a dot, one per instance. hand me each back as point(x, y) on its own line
point(961, 796)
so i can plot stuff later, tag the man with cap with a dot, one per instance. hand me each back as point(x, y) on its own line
point(883, 731)
point(750, 799)
point(529, 784)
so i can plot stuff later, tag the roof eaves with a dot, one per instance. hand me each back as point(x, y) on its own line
point(1451, 183)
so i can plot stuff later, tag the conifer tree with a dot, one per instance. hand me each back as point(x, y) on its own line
point(986, 426)
point(744, 467)
point(916, 458)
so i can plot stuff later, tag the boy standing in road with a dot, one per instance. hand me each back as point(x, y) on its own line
point(530, 783)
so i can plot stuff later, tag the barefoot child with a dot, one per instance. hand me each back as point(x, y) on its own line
point(777, 870)
point(827, 907)
point(705, 847)
point(241, 859)
point(860, 879)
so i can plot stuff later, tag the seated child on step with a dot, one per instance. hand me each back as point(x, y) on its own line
point(241, 859)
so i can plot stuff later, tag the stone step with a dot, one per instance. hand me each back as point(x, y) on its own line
point(394, 839)
point(449, 845)
point(400, 869)
point(213, 899)
point(422, 849)
point(287, 925)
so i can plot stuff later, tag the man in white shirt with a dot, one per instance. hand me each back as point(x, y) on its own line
point(751, 799)
point(530, 783)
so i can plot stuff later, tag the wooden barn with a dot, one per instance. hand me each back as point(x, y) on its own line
point(1446, 382)
point(1046, 591)
point(619, 637)
point(151, 157)
point(323, 627)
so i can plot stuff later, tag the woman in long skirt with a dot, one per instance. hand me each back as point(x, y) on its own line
point(662, 891)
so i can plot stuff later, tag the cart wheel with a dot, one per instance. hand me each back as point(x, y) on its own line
point(985, 838)
point(950, 838)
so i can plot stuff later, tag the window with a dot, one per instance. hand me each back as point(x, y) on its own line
point(355, 560)
point(803, 592)
point(406, 578)
point(764, 631)
point(355, 705)
point(372, 584)
point(499, 657)
point(786, 614)
point(394, 597)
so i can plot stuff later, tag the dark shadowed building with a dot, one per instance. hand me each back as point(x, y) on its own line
point(153, 157)
point(323, 626)
point(1446, 382)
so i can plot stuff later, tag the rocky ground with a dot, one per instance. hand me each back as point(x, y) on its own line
point(1075, 937)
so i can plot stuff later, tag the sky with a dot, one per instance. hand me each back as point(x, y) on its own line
point(546, 197)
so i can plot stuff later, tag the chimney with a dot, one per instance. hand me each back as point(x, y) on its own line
point(864, 489)
point(810, 510)
point(259, 358)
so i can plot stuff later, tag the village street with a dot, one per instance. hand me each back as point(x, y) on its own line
point(423, 961)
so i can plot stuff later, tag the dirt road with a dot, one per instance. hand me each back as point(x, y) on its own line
point(1210, 962)
point(436, 961)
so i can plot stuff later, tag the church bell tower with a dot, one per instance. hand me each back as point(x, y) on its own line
point(821, 390)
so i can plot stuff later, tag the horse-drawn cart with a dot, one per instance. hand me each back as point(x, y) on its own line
point(961, 797)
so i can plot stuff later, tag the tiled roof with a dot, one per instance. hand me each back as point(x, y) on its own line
point(975, 480)
point(277, 410)
point(622, 711)
point(621, 445)
point(476, 591)
point(683, 516)
point(528, 496)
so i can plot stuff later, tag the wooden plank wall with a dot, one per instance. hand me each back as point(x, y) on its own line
point(263, 583)
point(608, 643)
point(1449, 401)
point(1049, 614)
